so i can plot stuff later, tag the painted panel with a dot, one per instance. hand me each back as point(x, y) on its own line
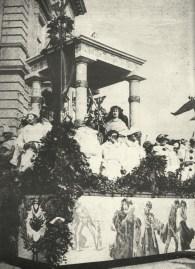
point(108, 228)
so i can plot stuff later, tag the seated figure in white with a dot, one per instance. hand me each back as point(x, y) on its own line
point(29, 140)
point(112, 157)
point(87, 138)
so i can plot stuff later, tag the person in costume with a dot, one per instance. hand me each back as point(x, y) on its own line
point(133, 151)
point(186, 233)
point(172, 226)
point(123, 222)
point(188, 164)
point(149, 241)
point(113, 157)
point(30, 136)
point(87, 138)
point(116, 121)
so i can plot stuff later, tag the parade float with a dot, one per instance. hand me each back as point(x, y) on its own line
point(57, 206)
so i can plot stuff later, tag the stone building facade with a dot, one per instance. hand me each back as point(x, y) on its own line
point(22, 36)
point(24, 71)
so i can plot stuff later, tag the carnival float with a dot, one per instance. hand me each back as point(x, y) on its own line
point(80, 184)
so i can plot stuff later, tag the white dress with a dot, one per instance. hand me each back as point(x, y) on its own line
point(112, 160)
point(90, 146)
point(116, 125)
point(133, 155)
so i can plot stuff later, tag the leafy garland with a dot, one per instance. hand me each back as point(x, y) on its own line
point(62, 170)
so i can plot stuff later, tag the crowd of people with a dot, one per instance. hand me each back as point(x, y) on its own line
point(116, 154)
point(123, 149)
point(137, 237)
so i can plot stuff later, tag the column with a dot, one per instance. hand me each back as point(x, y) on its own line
point(35, 82)
point(81, 89)
point(134, 100)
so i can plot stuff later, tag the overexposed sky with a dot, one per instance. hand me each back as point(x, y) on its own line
point(162, 32)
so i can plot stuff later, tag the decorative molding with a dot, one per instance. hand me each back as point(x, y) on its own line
point(82, 59)
point(134, 98)
point(36, 99)
point(81, 83)
point(33, 76)
point(107, 49)
point(21, 69)
point(135, 76)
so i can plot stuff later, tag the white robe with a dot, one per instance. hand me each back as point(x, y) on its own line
point(29, 133)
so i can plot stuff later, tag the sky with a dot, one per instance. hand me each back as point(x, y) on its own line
point(162, 33)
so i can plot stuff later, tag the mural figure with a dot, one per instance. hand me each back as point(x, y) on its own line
point(149, 241)
point(123, 221)
point(82, 219)
point(35, 226)
point(186, 233)
point(137, 247)
point(172, 226)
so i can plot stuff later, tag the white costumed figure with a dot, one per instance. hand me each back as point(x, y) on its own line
point(29, 140)
point(168, 151)
point(134, 153)
point(112, 157)
point(116, 121)
point(188, 165)
point(89, 145)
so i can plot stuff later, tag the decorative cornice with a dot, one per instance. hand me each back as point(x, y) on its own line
point(96, 44)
